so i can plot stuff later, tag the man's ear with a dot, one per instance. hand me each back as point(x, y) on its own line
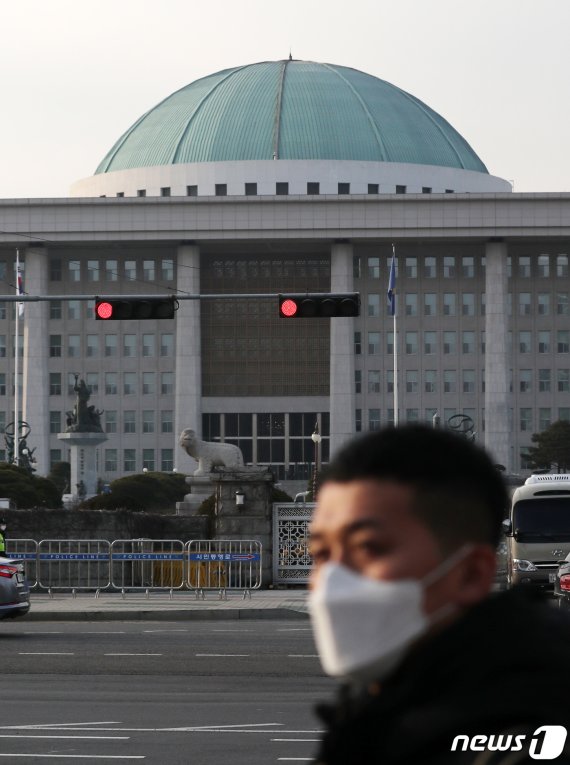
point(476, 575)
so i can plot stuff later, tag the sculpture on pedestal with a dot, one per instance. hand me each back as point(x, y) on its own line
point(209, 454)
point(83, 418)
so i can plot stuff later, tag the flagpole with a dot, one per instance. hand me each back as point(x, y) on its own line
point(16, 367)
point(393, 311)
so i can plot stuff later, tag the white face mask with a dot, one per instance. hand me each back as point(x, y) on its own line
point(364, 626)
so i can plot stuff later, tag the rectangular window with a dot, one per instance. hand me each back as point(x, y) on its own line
point(525, 380)
point(562, 341)
point(544, 266)
point(524, 267)
point(430, 303)
point(110, 383)
point(544, 341)
point(389, 343)
point(544, 380)
point(148, 421)
point(411, 342)
point(562, 304)
point(3, 346)
point(54, 456)
point(167, 269)
point(129, 383)
point(148, 345)
point(129, 421)
point(141, 192)
point(55, 383)
point(110, 421)
point(374, 419)
point(373, 268)
point(525, 418)
point(412, 415)
point(543, 300)
point(400, 189)
point(251, 189)
point(148, 459)
point(221, 189)
point(74, 270)
point(313, 187)
point(149, 383)
point(525, 341)
point(563, 378)
point(525, 304)
point(55, 273)
point(54, 310)
point(358, 380)
point(92, 270)
point(167, 460)
point(468, 342)
point(449, 267)
point(129, 460)
point(449, 381)
point(373, 188)
point(129, 345)
point(92, 382)
point(167, 383)
point(389, 380)
point(468, 267)
point(564, 413)
point(373, 343)
point(167, 344)
point(411, 268)
point(2, 384)
point(111, 460)
point(149, 271)
point(411, 299)
point(73, 309)
point(282, 188)
point(111, 271)
point(358, 420)
point(344, 188)
point(357, 343)
point(110, 345)
point(411, 381)
point(449, 342)
point(55, 422)
point(468, 304)
point(374, 305)
point(468, 381)
point(192, 190)
point(449, 303)
point(130, 269)
point(165, 191)
point(373, 381)
point(544, 418)
point(55, 346)
point(92, 345)
point(71, 384)
point(426, 189)
point(356, 264)
point(166, 421)
point(430, 380)
point(562, 266)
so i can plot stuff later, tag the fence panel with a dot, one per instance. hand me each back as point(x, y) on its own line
point(291, 560)
point(144, 564)
point(224, 564)
point(26, 550)
point(81, 564)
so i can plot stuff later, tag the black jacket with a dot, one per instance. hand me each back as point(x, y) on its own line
point(502, 667)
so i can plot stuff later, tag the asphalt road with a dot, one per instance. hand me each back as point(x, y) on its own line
point(203, 693)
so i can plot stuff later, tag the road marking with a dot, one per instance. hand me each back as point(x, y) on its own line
point(37, 632)
point(132, 654)
point(295, 629)
point(239, 631)
point(98, 738)
point(228, 655)
point(151, 631)
point(302, 656)
point(100, 632)
point(295, 759)
point(45, 653)
point(296, 739)
point(47, 726)
point(83, 756)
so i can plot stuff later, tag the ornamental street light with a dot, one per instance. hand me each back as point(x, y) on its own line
point(316, 439)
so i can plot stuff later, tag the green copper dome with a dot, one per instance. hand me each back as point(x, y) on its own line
point(290, 110)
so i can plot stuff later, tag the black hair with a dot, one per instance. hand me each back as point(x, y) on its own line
point(460, 494)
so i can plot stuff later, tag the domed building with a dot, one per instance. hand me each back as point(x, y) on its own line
point(277, 177)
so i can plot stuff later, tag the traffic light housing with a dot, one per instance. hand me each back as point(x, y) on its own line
point(319, 305)
point(109, 308)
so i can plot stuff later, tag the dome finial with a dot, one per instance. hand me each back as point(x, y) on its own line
point(290, 55)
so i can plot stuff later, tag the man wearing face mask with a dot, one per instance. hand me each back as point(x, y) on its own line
point(3, 538)
point(436, 669)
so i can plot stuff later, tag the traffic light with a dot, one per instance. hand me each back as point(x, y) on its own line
point(109, 308)
point(318, 305)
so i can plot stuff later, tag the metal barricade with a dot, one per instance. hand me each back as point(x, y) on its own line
point(292, 562)
point(26, 550)
point(145, 564)
point(76, 564)
point(223, 564)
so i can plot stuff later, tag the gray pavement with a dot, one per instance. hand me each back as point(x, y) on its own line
point(161, 606)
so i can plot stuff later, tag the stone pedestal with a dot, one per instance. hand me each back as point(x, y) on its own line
point(83, 460)
point(201, 487)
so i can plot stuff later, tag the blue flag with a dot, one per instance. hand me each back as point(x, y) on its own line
point(392, 286)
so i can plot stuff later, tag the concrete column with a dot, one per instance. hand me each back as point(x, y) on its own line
point(188, 386)
point(35, 398)
point(498, 436)
point(342, 396)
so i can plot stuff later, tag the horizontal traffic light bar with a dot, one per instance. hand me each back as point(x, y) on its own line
point(109, 308)
point(319, 305)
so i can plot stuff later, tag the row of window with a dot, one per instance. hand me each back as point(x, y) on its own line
point(544, 417)
point(281, 189)
point(129, 461)
point(112, 270)
point(132, 383)
point(131, 345)
point(429, 379)
point(146, 421)
point(452, 267)
point(449, 345)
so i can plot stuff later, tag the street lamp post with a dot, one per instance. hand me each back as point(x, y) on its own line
point(316, 438)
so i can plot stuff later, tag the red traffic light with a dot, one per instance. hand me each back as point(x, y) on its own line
point(135, 308)
point(104, 310)
point(319, 305)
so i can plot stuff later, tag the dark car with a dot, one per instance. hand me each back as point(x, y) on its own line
point(14, 590)
point(562, 583)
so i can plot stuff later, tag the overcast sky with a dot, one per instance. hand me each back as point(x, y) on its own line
point(75, 74)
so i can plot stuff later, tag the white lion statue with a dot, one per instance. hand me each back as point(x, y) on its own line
point(208, 454)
